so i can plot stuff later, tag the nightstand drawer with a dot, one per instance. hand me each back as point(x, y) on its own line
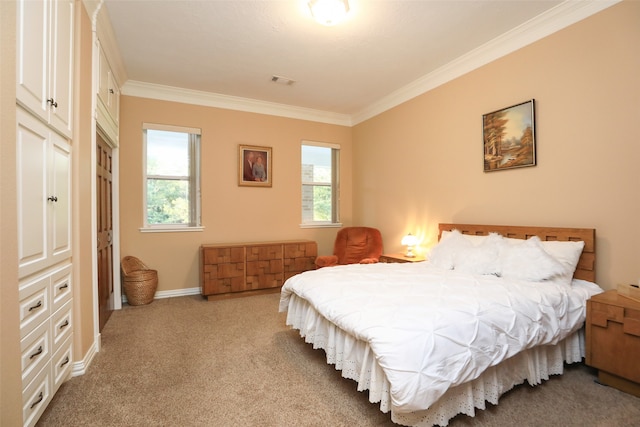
point(602, 313)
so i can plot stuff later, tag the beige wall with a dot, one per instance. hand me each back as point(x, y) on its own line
point(421, 163)
point(229, 213)
point(84, 290)
point(10, 369)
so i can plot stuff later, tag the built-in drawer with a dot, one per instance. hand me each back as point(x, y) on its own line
point(35, 304)
point(61, 325)
point(61, 363)
point(36, 396)
point(61, 287)
point(36, 352)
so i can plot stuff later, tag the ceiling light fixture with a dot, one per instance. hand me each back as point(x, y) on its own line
point(329, 12)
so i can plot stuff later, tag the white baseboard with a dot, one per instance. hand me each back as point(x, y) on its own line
point(172, 293)
point(80, 367)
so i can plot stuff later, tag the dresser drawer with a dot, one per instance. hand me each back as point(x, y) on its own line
point(36, 396)
point(61, 363)
point(61, 287)
point(61, 325)
point(35, 352)
point(35, 304)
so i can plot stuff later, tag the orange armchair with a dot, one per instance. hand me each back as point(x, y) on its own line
point(354, 245)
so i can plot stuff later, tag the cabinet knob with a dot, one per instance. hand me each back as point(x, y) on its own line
point(111, 91)
point(52, 102)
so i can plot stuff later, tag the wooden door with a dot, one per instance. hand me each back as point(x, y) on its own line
point(105, 230)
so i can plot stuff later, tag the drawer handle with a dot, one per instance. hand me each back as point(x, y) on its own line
point(66, 285)
point(66, 360)
point(40, 397)
point(65, 324)
point(38, 305)
point(37, 353)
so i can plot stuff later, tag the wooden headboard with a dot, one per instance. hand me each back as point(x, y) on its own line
point(586, 269)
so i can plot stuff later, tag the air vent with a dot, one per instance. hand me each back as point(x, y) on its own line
point(282, 80)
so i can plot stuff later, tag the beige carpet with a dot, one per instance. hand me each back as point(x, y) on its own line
point(188, 362)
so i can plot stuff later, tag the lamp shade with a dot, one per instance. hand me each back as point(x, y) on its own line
point(409, 240)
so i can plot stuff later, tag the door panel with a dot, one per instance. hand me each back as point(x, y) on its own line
point(104, 223)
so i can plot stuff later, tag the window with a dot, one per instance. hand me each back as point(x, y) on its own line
point(172, 178)
point(320, 184)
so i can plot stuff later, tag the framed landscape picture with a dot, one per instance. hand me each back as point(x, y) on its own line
point(254, 166)
point(509, 137)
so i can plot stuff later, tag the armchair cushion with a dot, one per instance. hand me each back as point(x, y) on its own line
point(326, 261)
point(354, 245)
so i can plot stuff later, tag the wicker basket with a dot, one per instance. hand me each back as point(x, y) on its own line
point(139, 281)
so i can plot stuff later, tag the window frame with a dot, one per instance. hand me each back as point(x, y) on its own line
point(335, 186)
point(194, 179)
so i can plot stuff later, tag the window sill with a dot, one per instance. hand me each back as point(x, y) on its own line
point(170, 229)
point(321, 225)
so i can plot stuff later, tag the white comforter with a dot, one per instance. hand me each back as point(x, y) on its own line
point(431, 329)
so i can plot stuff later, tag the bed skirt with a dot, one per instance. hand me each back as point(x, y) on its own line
point(356, 361)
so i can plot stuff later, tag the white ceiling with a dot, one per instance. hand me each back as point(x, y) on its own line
point(386, 51)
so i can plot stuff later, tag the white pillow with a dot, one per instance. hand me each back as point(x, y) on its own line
point(474, 239)
point(567, 253)
point(442, 253)
point(528, 261)
point(480, 259)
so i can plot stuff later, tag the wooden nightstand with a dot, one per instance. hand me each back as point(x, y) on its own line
point(613, 340)
point(399, 258)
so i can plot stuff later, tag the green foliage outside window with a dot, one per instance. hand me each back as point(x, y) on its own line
point(321, 203)
point(167, 201)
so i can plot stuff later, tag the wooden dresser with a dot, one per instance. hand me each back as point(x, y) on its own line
point(240, 269)
point(613, 340)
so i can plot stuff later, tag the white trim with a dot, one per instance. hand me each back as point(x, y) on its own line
point(207, 99)
point(172, 293)
point(553, 20)
point(80, 367)
point(321, 144)
point(104, 32)
point(170, 229)
point(171, 128)
point(321, 225)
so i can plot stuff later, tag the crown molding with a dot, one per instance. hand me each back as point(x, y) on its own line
point(553, 20)
point(208, 99)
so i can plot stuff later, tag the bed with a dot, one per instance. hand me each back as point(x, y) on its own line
point(488, 311)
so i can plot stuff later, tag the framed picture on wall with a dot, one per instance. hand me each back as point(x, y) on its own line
point(509, 137)
point(254, 166)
